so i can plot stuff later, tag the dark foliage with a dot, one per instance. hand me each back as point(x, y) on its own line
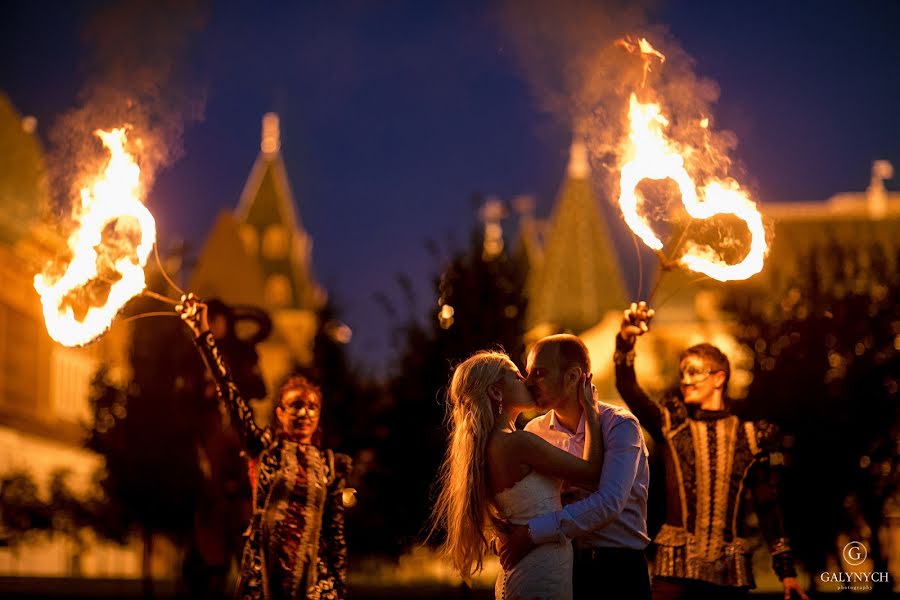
point(488, 306)
point(146, 432)
point(827, 369)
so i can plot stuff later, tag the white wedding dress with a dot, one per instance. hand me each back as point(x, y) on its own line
point(546, 572)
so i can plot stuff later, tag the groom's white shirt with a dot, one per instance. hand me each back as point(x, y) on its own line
point(615, 515)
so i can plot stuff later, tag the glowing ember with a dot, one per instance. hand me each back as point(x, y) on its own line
point(110, 245)
point(650, 154)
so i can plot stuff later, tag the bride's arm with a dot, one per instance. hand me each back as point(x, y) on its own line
point(593, 436)
point(547, 459)
point(624, 464)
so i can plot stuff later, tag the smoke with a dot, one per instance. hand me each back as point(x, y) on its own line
point(138, 73)
point(578, 73)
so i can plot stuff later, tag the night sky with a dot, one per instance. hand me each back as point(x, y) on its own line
point(394, 114)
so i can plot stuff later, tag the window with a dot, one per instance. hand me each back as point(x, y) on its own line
point(250, 239)
point(278, 290)
point(275, 242)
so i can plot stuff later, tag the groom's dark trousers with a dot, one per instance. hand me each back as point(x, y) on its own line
point(619, 573)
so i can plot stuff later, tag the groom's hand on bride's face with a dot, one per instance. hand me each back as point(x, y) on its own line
point(513, 545)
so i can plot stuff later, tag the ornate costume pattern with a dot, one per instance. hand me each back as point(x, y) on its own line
point(295, 544)
point(717, 468)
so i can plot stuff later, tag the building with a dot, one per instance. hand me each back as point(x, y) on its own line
point(260, 255)
point(690, 307)
point(577, 278)
point(44, 386)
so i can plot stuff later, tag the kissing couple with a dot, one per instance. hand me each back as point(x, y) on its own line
point(564, 502)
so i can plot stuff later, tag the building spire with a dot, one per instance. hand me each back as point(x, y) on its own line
point(876, 193)
point(579, 168)
point(579, 277)
point(271, 135)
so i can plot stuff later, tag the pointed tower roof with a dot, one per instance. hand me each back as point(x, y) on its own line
point(224, 269)
point(580, 278)
point(271, 230)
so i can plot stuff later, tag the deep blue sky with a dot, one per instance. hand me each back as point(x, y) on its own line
point(395, 113)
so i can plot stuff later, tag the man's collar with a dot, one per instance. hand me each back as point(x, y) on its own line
point(555, 425)
point(554, 422)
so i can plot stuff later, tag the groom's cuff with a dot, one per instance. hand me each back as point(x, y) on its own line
point(545, 529)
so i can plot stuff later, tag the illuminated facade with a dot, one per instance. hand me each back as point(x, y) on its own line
point(576, 282)
point(44, 386)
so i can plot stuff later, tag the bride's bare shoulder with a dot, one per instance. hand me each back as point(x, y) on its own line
point(504, 454)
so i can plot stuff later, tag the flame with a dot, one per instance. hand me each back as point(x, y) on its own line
point(110, 246)
point(650, 154)
point(646, 51)
point(649, 50)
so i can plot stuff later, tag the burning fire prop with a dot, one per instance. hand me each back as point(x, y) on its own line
point(649, 153)
point(109, 248)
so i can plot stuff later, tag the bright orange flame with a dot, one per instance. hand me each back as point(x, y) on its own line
point(646, 48)
point(650, 154)
point(109, 208)
point(646, 51)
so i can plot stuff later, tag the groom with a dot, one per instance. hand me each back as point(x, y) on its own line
point(609, 524)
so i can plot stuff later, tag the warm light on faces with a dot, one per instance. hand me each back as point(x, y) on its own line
point(299, 414)
point(514, 392)
point(544, 379)
point(699, 380)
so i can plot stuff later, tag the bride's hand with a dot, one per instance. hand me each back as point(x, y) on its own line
point(587, 398)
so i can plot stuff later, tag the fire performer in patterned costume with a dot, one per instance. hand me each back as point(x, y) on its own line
point(295, 546)
point(711, 459)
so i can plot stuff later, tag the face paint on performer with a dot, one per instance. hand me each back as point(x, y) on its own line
point(299, 414)
point(701, 382)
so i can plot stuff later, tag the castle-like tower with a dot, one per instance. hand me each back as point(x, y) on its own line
point(259, 254)
point(578, 277)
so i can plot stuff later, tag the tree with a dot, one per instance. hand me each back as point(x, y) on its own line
point(146, 433)
point(351, 404)
point(480, 304)
point(22, 511)
point(25, 514)
point(827, 369)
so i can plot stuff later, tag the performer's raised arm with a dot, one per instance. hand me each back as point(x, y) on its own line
point(635, 323)
point(254, 437)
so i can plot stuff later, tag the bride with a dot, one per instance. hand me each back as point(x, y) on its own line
point(493, 474)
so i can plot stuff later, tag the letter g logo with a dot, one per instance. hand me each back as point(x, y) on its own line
point(855, 554)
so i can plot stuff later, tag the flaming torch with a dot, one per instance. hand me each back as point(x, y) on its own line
point(109, 248)
point(649, 153)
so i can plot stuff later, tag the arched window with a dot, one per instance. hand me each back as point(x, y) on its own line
point(278, 290)
point(250, 239)
point(275, 242)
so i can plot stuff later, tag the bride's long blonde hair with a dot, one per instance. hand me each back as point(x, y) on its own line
point(464, 506)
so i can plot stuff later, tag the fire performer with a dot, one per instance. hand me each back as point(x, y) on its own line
point(710, 457)
point(296, 546)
